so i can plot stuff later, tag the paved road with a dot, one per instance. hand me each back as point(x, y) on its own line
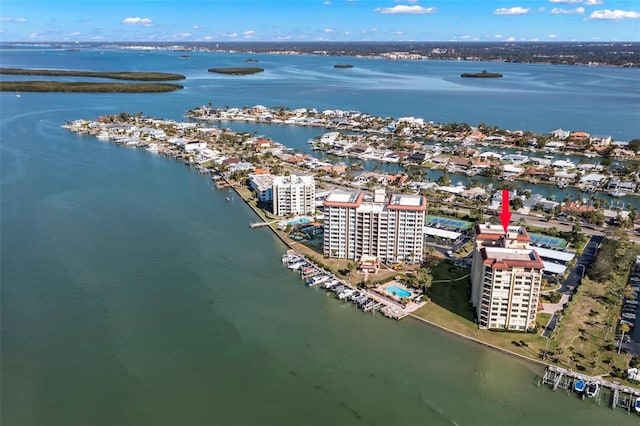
point(573, 279)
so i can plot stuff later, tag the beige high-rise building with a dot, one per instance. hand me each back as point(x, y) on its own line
point(390, 228)
point(506, 276)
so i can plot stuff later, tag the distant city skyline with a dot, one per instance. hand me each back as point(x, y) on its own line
point(319, 20)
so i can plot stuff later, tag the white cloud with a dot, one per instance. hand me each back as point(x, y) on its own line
point(196, 27)
point(566, 1)
point(138, 21)
point(511, 39)
point(404, 9)
point(328, 30)
point(75, 34)
point(248, 33)
point(511, 11)
point(593, 2)
point(498, 36)
point(397, 33)
point(9, 19)
point(614, 15)
point(552, 36)
point(326, 3)
point(576, 11)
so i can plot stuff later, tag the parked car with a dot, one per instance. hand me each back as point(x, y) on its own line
point(629, 316)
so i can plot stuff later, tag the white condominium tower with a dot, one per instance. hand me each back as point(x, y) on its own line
point(294, 195)
point(390, 228)
point(506, 276)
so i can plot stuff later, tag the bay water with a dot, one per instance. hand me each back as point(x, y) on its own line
point(133, 293)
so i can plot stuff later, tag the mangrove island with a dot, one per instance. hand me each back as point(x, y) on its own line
point(86, 87)
point(237, 71)
point(116, 75)
point(483, 74)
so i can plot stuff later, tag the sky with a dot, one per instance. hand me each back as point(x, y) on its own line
point(319, 20)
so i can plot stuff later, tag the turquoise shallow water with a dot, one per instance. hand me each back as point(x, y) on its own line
point(134, 293)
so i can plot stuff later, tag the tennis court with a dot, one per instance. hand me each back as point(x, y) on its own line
point(447, 222)
point(545, 240)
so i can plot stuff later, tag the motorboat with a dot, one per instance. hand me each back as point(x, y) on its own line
point(637, 405)
point(580, 386)
point(317, 280)
point(592, 389)
point(617, 193)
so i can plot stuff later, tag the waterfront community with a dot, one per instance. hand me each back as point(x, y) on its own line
point(175, 266)
point(366, 236)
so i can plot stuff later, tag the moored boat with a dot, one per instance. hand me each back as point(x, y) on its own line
point(592, 389)
point(579, 386)
point(637, 405)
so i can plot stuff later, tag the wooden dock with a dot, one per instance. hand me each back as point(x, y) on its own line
point(621, 395)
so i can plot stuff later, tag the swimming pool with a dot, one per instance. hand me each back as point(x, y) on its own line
point(397, 291)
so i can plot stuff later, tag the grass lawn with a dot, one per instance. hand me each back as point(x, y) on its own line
point(450, 308)
point(587, 329)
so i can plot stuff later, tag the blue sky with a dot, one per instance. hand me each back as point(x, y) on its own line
point(309, 20)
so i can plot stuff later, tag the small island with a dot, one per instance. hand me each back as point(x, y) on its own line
point(343, 66)
point(116, 75)
point(86, 87)
point(483, 74)
point(237, 71)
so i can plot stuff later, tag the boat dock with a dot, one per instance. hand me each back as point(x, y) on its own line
point(621, 395)
point(259, 224)
point(315, 276)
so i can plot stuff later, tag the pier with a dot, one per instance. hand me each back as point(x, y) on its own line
point(621, 395)
point(259, 224)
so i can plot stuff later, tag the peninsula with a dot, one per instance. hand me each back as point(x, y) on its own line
point(86, 87)
point(237, 71)
point(117, 75)
point(483, 74)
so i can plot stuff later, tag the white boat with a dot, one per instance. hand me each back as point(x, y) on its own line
point(346, 293)
point(637, 405)
point(296, 266)
point(592, 389)
point(152, 147)
point(317, 280)
point(617, 193)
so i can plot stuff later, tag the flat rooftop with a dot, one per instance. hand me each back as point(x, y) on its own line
point(405, 200)
point(342, 197)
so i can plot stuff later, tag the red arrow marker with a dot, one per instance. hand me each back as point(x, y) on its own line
point(505, 215)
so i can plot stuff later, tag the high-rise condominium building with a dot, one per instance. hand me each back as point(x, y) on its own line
point(293, 195)
point(388, 227)
point(506, 275)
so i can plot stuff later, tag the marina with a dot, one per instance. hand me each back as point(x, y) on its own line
point(367, 301)
point(585, 386)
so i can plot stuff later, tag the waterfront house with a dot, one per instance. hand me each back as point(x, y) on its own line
point(593, 180)
point(600, 141)
point(560, 134)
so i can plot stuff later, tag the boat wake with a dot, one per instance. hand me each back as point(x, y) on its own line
point(439, 412)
